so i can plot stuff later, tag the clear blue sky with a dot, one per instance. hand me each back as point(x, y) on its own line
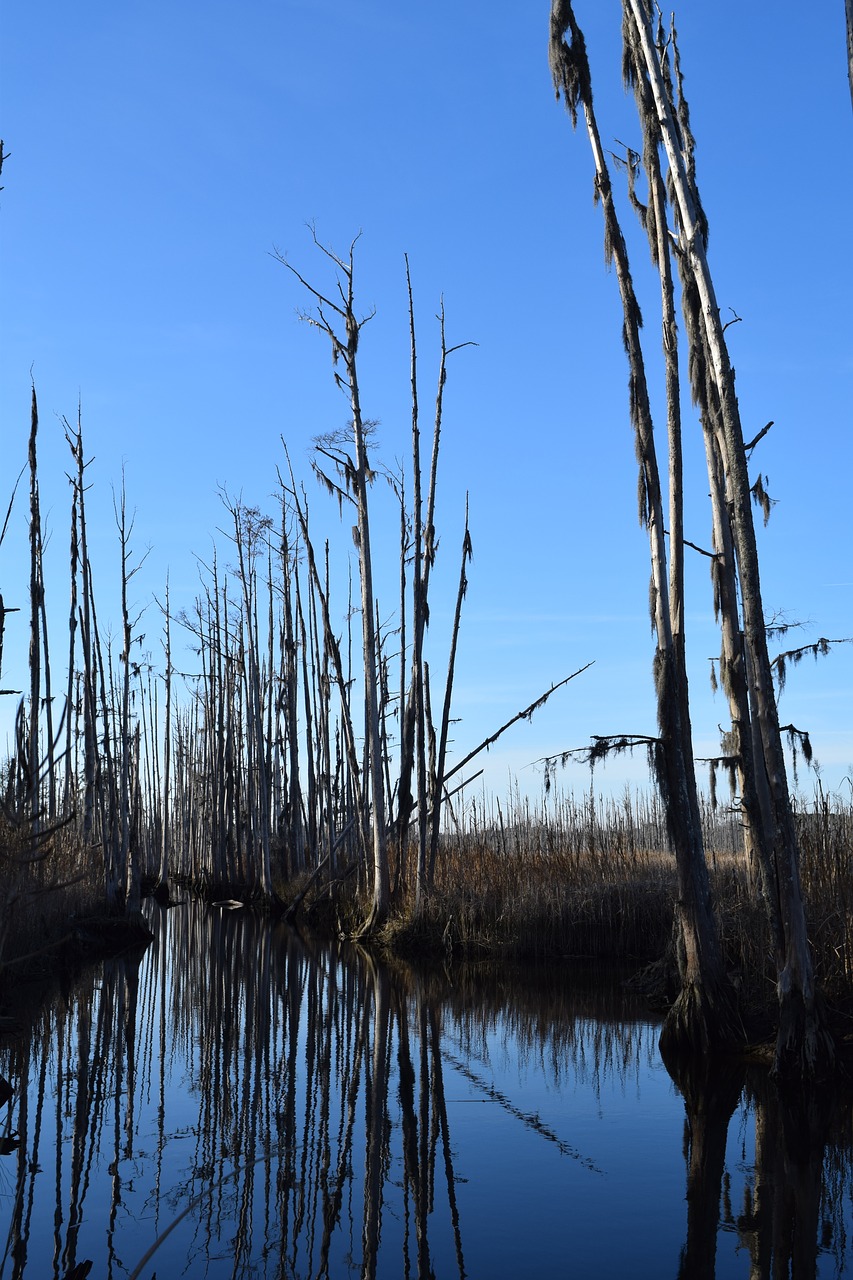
point(159, 153)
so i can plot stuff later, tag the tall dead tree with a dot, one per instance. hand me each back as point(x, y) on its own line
point(251, 530)
point(357, 477)
point(166, 782)
point(652, 66)
point(803, 1048)
point(33, 755)
point(703, 1014)
point(290, 697)
point(848, 6)
point(88, 676)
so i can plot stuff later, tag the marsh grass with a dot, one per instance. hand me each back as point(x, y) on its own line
point(825, 830)
point(569, 879)
point(45, 884)
point(593, 879)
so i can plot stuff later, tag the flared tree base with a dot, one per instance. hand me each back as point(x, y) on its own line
point(805, 1049)
point(702, 1020)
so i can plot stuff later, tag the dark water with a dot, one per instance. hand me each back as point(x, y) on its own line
point(240, 1103)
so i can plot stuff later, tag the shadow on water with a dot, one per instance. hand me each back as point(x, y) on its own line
point(239, 1101)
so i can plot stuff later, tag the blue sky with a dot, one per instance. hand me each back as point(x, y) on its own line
point(159, 154)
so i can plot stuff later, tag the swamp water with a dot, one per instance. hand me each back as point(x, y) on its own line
point(239, 1102)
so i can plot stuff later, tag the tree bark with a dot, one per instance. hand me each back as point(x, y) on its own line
point(703, 1015)
point(848, 6)
point(36, 592)
point(803, 1048)
point(357, 480)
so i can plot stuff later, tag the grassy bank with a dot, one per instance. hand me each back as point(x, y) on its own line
point(596, 882)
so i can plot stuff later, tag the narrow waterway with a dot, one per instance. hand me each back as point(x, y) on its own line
point(236, 1101)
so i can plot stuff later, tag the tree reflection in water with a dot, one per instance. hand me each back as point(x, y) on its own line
point(238, 1101)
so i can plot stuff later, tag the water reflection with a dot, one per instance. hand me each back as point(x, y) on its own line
point(238, 1101)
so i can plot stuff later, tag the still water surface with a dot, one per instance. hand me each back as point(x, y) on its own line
point(239, 1102)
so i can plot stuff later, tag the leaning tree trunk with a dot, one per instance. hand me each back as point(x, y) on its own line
point(803, 1046)
point(740, 750)
point(703, 1014)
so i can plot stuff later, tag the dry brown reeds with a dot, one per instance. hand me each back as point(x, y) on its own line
point(45, 883)
point(576, 879)
point(593, 879)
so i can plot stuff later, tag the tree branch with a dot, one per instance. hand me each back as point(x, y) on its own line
point(522, 715)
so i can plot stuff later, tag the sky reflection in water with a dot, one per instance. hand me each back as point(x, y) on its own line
point(241, 1103)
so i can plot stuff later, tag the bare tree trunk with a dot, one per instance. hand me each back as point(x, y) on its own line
point(414, 721)
point(105, 787)
point(295, 826)
point(420, 579)
point(404, 802)
point(71, 780)
point(124, 726)
point(803, 1046)
point(357, 479)
point(36, 592)
point(248, 528)
point(129, 872)
point(703, 1013)
point(333, 649)
point(848, 7)
point(314, 715)
point(732, 668)
point(134, 802)
point(49, 761)
point(441, 756)
point(89, 681)
point(165, 794)
point(381, 881)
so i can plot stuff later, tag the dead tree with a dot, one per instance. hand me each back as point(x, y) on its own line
point(848, 6)
point(36, 601)
point(251, 530)
point(703, 1015)
point(357, 479)
point(88, 676)
point(129, 759)
point(166, 781)
point(651, 64)
point(803, 1047)
point(416, 727)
